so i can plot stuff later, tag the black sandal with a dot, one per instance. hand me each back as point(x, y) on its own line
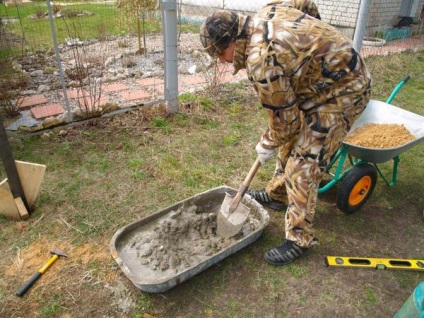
point(285, 253)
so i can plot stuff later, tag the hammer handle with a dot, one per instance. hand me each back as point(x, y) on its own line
point(36, 276)
point(28, 284)
point(47, 265)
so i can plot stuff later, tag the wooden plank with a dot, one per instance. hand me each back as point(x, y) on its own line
point(31, 176)
point(7, 203)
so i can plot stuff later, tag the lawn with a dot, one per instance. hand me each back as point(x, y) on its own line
point(30, 26)
point(108, 172)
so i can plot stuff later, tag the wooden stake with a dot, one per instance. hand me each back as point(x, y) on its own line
point(23, 213)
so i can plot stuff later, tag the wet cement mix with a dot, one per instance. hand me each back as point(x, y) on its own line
point(380, 136)
point(178, 241)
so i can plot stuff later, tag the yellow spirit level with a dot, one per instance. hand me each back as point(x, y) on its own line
point(377, 263)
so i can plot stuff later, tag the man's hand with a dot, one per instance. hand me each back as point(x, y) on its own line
point(264, 154)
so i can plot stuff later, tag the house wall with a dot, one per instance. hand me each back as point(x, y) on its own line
point(383, 14)
point(340, 13)
point(343, 14)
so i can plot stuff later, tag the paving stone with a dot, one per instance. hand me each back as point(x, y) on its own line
point(44, 111)
point(150, 81)
point(160, 88)
point(28, 101)
point(134, 95)
point(225, 67)
point(90, 102)
point(193, 79)
point(226, 77)
point(114, 87)
point(75, 93)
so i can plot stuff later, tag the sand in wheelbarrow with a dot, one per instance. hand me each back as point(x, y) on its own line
point(380, 136)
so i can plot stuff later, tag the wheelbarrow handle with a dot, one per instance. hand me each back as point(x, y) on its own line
point(397, 89)
point(406, 79)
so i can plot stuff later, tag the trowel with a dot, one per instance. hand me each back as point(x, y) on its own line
point(233, 213)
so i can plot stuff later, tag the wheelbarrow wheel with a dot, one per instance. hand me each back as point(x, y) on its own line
point(356, 188)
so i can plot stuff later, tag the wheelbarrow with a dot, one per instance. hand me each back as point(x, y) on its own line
point(358, 180)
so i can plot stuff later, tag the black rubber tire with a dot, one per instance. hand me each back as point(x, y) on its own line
point(353, 178)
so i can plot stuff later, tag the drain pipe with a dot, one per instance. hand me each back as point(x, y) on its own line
point(59, 63)
point(169, 17)
point(361, 24)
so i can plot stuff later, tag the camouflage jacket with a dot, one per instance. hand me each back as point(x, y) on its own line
point(306, 6)
point(296, 63)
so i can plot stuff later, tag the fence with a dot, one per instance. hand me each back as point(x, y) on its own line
point(112, 55)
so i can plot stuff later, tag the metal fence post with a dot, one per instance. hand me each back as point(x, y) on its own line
point(361, 24)
point(59, 63)
point(169, 14)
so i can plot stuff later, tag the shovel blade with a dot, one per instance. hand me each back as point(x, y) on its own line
point(230, 223)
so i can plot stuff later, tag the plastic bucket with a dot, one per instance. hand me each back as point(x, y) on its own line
point(414, 305)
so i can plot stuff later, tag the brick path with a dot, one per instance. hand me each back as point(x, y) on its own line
point(29, 101)
point(47, 110)
point(150, 89)
point(395, 46)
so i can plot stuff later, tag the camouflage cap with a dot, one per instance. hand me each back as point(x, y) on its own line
point(217, 31)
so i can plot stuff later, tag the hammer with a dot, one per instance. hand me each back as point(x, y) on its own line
point(56, 254)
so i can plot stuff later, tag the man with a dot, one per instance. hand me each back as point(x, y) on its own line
point(312, 84)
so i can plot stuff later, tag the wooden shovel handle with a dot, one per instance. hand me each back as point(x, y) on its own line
point(285, 152)
point(244, 186)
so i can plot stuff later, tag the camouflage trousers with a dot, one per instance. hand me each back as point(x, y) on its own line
point(299, 171)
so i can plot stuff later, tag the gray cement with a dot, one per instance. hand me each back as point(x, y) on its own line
point(178, 241)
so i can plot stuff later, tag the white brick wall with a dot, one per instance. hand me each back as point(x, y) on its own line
point(343, 14)
point(339, 12)
point(382, 14)
point(385, 14)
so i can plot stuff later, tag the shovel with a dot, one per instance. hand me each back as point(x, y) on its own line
point(233, 213)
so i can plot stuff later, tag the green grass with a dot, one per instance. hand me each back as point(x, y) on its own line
point(387, 73)
point(101, 177)
point(370, 294)
point(51, 307)
point(37, 31)
point(34, 26)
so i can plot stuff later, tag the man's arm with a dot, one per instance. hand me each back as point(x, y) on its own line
point(278, 98)
point(307, 6)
